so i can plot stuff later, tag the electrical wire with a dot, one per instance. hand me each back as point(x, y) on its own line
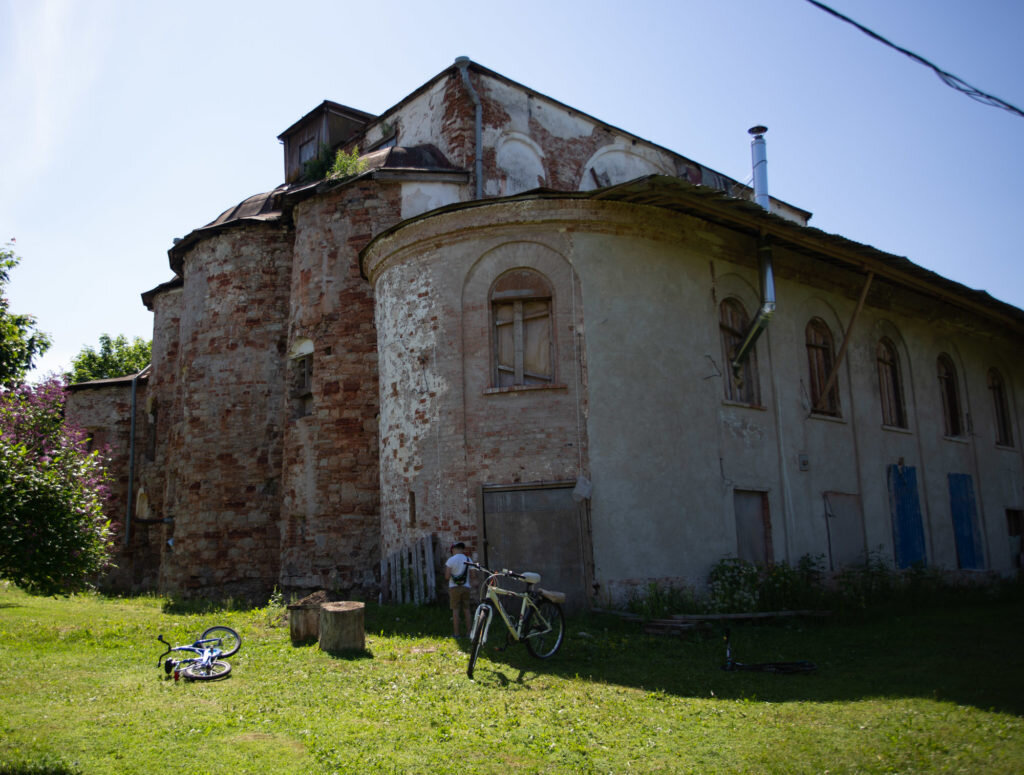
point(947, 78)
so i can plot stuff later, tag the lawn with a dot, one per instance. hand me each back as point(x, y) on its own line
point(935, 688)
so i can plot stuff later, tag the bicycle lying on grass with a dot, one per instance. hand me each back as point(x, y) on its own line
point(202, 660)
point(540, 623)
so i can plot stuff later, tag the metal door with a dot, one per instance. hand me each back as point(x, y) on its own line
point(540, 530)
point(905, 507)
point(969, 554)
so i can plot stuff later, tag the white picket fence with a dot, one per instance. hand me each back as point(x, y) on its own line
point(408, 574)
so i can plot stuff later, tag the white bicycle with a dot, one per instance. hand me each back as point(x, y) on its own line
point(540, 623)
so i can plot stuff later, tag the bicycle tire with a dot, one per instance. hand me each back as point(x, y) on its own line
point(483, 617)
point(231, 642)
point(544, 642)
point(215, 670)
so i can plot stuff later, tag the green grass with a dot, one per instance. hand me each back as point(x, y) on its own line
point(934, 689)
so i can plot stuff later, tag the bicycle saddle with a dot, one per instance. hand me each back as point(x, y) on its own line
point(531, 578)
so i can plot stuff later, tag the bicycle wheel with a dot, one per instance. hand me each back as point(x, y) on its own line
point(544, 632)
point(483, 617)
point(213, 671)
point(230, 642)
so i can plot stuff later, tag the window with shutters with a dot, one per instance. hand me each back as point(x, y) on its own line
point(890, 385)
point(521, 319)
point(820, 361)
point(733, 322)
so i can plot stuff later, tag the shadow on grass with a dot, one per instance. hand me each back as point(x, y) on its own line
point(963, 655)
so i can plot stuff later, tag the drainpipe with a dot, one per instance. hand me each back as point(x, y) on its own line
point(463, 64)
point(759, 160)
point(131, 457)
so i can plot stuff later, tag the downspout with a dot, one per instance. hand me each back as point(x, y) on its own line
point(131, 457)
point(764, 314)
point(478, 120)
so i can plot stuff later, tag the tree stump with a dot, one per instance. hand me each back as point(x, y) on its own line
point(341, 626)
point(304, 622)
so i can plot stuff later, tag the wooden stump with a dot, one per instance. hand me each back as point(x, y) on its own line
point(304, 622)
point(341, 626)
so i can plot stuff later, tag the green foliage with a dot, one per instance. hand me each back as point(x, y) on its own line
point(347, 164)
point(317, 167)
point(117, 357)
point(54, 536)
point(20, 343)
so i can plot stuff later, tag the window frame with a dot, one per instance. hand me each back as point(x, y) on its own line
point(1000, 408)
point(890, 384)
point(513, 301)
point(949, 396)
point(821, 359)
point(733, 322)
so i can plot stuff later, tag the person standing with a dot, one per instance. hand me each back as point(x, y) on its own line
point(456, 571)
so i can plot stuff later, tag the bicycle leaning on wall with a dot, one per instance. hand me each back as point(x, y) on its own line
point(539, 624)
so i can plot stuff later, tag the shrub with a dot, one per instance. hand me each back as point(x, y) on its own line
point(54, 536)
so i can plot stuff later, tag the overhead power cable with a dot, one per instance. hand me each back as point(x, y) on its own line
point(948, 78)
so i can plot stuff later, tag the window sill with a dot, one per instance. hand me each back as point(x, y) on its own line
point(1007, 447)
point(742, 405)
point(957, 439)
point(523, 388)
point(897, 429)
point(827, 417)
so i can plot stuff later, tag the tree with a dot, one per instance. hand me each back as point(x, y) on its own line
point(54, 536)
point(20, 342)
point(116, 358)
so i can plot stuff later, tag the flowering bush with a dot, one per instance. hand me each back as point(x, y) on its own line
point(53, 533)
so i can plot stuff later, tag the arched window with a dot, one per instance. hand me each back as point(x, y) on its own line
point(521, 320)
point(950, 395)
point(820, 361)
point(732, 323)
point(1004, 428)
point(890, 386)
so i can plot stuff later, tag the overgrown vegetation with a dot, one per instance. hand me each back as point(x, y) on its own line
point(919, 691)
point(738, 586)
point(54, 536)
point(337, 167)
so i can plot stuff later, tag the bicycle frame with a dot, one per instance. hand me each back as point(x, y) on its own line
point(203, 655)
point(494, 593)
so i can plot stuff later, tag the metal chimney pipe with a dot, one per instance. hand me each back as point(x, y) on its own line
point(759, 160)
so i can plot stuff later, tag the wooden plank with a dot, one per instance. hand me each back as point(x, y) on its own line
point(417, 569)
point(428, 542)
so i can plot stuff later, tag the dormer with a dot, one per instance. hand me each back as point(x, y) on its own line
point(329, 124)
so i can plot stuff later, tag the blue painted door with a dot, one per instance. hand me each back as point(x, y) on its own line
point(905, 507)
point(962, 504)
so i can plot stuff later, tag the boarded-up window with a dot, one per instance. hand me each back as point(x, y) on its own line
point(521, 315)
point(733, 323)
point(820, 361)
point(753, 527)
point(1001, 407)
point(890, 386)
point(950, 395)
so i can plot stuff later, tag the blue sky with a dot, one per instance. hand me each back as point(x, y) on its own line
point(126, 124)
